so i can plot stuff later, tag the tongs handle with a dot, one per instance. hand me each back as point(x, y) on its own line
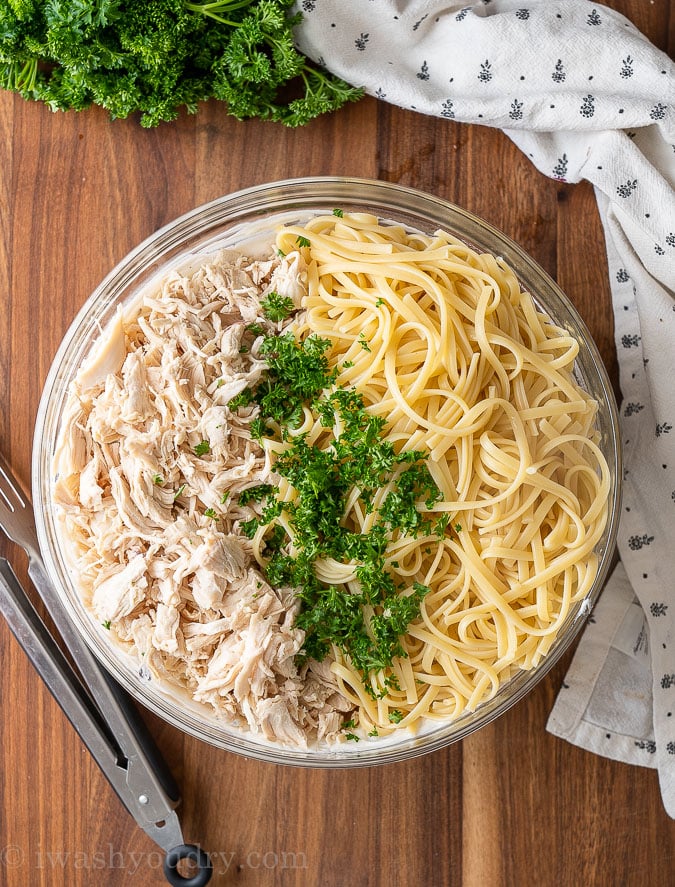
point(102, 713)
point(143, 737)
point(74, 700)
point(198, 856)
point(51, 664)
point(121, 724)
point(69, 691)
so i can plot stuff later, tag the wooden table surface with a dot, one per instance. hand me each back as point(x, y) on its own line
point(511, 805)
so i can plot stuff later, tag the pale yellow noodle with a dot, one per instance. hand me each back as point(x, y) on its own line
point(462, 364)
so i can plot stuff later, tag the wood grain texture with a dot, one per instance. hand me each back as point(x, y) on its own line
point(511, 805)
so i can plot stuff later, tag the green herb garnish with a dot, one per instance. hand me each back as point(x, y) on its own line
point(202, 448)
point(276, 307)
point(243, 399)
point(297, 374)
point(249, 527)
point(258, 429)
point(441, 525)
point(255, 494)
point(368, 619)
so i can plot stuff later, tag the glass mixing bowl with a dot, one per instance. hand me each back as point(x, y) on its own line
point(247, 218)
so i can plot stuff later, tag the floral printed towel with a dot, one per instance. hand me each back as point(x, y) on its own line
point(585, 96)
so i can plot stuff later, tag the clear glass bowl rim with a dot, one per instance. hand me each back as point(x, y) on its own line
point(314, 194)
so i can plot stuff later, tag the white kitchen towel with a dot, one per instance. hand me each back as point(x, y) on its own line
point(586, 96)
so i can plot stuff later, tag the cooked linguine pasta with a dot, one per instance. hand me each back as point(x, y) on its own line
point(441, 342)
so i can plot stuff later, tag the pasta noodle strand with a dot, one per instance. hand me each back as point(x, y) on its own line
point(443, 344)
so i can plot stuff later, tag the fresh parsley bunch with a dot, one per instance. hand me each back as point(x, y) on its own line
point(156, 56)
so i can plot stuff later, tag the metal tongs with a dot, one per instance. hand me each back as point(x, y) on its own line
point(99, 709)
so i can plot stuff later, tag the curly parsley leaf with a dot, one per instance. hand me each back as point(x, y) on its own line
point(276, 307)
point(297, 374)
point(156, 58)
point(255, 494)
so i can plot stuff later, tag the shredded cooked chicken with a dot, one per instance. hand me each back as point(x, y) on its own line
point(150, 463)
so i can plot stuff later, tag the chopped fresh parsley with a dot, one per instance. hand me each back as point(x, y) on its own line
point(157, 479)
point(302, 241)
point(249, 527)
point(106, 624)
point(275, 540)
point(255, 494)
point(391, 681)
point(202, 448)
point(363, 342)
point(258, 429)
point(458, 528)
point(210, 512)
point(271, 511)
point(298, 372)
point(441, 525)
point(353, 737)
point(396, 716)
point(367, 619)
point(338, 212)
point(243, 399)
point(276, 307)
point(400, 506)
point(179, 492)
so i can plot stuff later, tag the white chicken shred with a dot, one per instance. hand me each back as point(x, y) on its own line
point(149, 467)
